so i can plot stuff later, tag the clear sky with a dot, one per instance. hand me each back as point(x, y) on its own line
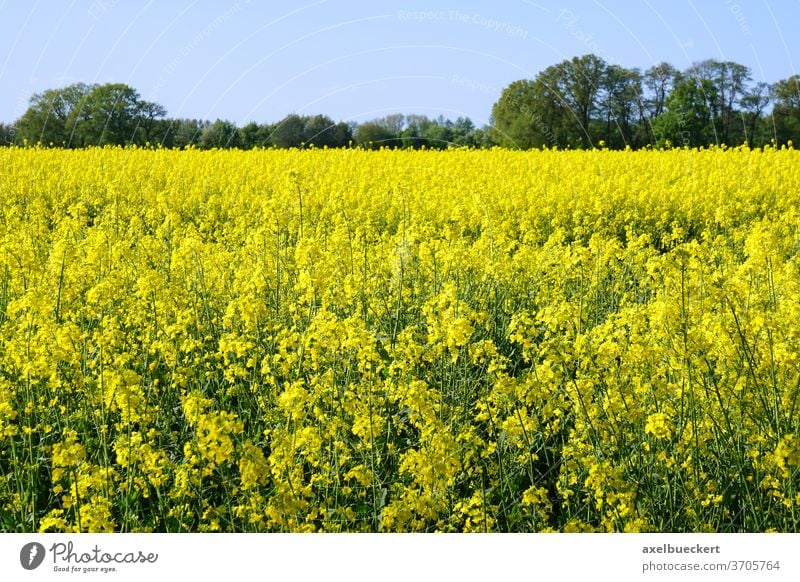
point(251, 60)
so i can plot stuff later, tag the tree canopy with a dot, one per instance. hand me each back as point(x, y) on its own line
point(581, 102)
point(81, 115)
point(585, 102)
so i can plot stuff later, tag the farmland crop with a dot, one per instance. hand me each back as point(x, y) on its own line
point(348, 340)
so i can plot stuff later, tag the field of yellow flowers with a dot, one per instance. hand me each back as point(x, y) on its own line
point(348, 340)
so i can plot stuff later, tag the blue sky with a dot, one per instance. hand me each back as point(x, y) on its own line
point(357, 60)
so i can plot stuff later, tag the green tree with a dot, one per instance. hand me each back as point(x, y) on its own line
point(463, 132)
point(83, 115)
point(8, 134)
point(181, 133)
point(322, 131)
point(657, 83)
point(51, 115)
point(732, 87)
point(372, 135)
point(620, 106)
point(753, 105)
point(393, 123)
point(729, 83)
point(480, 137)
point(254, 135)
point(439, 134)
point(421, 131)
point(149, 116)
point(220, 134)
point(581, 85)
point(288, 133)
point(786, 110)
point(688, 119)
point(112, 114)
point(517, 115)
point(412, 136)
point(343, 134)
point(559, 107)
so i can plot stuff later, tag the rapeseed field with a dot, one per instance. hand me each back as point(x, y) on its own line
point(348, 340)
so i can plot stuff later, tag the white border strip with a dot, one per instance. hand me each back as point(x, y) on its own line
point(401, 557)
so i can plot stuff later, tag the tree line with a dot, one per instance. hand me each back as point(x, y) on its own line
point(581, 102)
point(83, 115)
point(586, 102)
